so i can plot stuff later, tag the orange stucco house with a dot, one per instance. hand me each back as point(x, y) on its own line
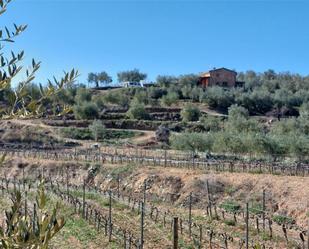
point(219, 77)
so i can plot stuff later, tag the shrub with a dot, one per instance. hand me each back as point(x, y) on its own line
point(141, 97)
point(156, 92)
point(117, 97)
point(86, 110)
point(190, 113)
point(218, 98)
point(163, 134)
point(97, 129)
point(137, 111)
point(82, 95)
point(211, 123)
point(192, 142)
point(99, 101)
point(196, 93)
point(236, 112)
point(170, 98)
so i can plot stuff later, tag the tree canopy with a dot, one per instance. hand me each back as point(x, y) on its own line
point(131, 75)
point(97, 78)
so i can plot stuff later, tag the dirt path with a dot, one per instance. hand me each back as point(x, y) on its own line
point(147, 136)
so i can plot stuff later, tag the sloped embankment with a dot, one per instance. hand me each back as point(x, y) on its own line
point(285, 195)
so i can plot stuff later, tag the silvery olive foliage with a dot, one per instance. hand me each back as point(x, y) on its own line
point(33, 230)
point(26, 227)
point(11, 66)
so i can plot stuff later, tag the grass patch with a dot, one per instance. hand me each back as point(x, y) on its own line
point(256, 208)
point(230, 190)
point(230, 222)
point(281, 219)
point(122, 170)
point(230, 206)
point(101, 200)
point(86, 134)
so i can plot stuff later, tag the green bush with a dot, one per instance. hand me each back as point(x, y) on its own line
point(138, 111)
point(99, 101)
point(86, 110)
point(82, 95)
point(170, 99)
point(236, 112)
point(141, 97)
point(190, 113)
point(192, 142)
point(117, 97)
point(218, 98)
point(97, 129)
point(156, 92)
point(211, 123)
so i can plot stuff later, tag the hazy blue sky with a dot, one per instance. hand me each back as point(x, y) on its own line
point(162, 37)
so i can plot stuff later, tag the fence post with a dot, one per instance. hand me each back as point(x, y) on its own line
point(110, 216)
point(144, 193)
point(190, 215)
point(67, 181)
point(201, 236)
point(308, 235)
point(118, 186)
point(84, 198)
point(175, 233)
point(142, 226)
point(34, 217)
point(24, 181)
point(247, 225)
point(264, 210)
point(209, 199)
point(26, 205)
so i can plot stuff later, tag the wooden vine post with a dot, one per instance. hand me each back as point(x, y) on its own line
point(247, 225)
point(190, 215)
point(144, 193)
point(209, 198)
point(84, 198)
point(118, 186)
point(264, 209)
point(308, 235)
point(67, 181)
point(175, 233)
point(110, 216)
point(142, 226)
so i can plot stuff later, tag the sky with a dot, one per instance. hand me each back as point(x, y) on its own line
point(164, 37)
